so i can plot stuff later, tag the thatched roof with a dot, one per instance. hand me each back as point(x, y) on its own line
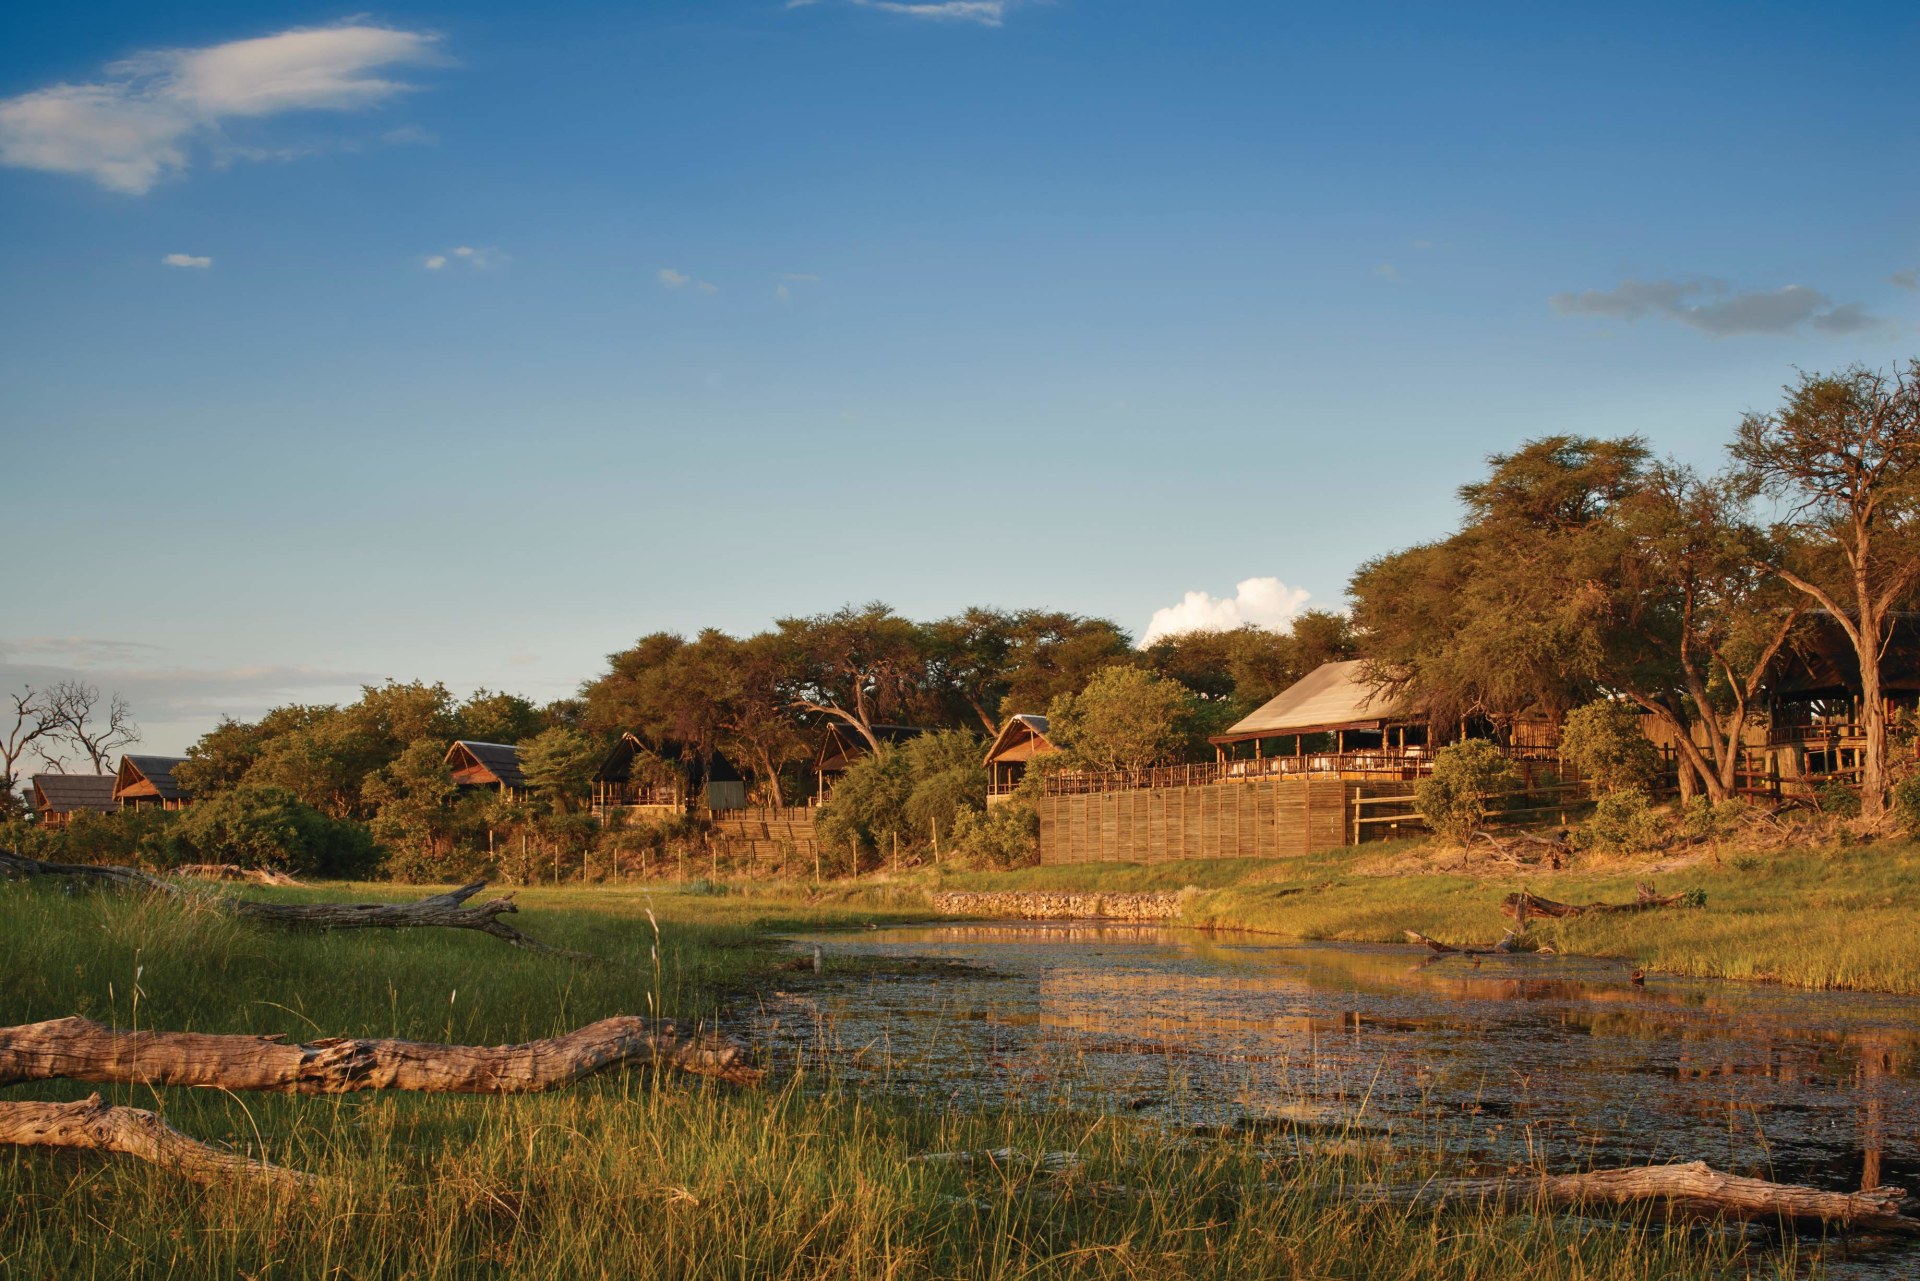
point(148, 776)
point(1023, 737)
point(1332, 696)
point(844, 745)
point(485, 764)
point(69, 793)
point(617, 766)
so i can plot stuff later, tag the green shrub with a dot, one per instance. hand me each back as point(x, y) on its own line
point(260, 825)
point(1906, 804)
point(1458, 796)
point(1605, 741)
point(1838, 799)
point(1704, 819)
point(1623, 821)
point(905, 794)
point(1007, 835)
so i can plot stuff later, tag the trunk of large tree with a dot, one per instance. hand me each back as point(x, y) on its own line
point(78, 1049)
point(1873, 719)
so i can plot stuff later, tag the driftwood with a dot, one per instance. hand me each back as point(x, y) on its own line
point(93, 1125)
point(234, 872)
point(446, 910)
point(1692, 1190)
point(1502, 948)
point(78, 1049)
point(1556, 852)
point(1521, 904)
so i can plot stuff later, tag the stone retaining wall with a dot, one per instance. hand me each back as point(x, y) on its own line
point(1058, 905)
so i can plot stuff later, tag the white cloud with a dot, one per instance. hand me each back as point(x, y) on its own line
point(137, 123)
point(187, 260)
point(988, 13)
point(478, 259)
point(782, 294)
point(1257, 602)
point(1709, 306)
point(1387, 271)
point(679, 280)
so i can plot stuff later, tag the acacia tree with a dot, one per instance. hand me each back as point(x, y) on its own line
point(1843, 456)
point(855, 666)
point(1699, 623)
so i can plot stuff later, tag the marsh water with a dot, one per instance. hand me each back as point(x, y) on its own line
point(1506, 1061)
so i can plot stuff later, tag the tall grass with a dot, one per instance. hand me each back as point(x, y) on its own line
point(1831, 918)
point(631, 1175)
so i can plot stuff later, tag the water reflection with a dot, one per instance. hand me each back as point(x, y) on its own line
point(1522, 1057)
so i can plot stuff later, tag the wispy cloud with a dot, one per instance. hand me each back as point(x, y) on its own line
point(477, 258)
point(143, 117)
point(187, 260)
point(680, 280)
point(986, 13)
point(1387, 271)
point(1256, 602)
point(1906, 279)
point(1716, 310)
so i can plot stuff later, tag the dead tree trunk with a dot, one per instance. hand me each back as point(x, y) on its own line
point(78, 1049)
point(1522, 904)
point(1692, 1190)
point(446, 910)
point(94, 1126)
point(1502, 948)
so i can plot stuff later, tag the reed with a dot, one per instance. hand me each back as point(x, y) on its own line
point(633, 1175)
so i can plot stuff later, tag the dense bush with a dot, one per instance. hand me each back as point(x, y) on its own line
point(129, 838)
point(1906, 804)
point(1621, 822)
point(1605, 741)
point(1459, 795)
point(908, 794)
point(1006, 835)
point(259, 825)
point(1125, 719)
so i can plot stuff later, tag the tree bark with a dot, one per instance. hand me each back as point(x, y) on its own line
point(446, 910)
point(94, 1126)
point(1692, 1190)
point(78, 1049)
point(1522, 904)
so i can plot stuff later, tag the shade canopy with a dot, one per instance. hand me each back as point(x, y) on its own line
point(1333, 696)
point(1022, 738)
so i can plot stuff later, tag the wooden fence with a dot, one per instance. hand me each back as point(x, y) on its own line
point(1260, 818)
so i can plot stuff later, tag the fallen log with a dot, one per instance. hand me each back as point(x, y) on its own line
point(233, 872)
point(447, 910)
point(97, 1127)
point(78, 1049)
point(1691, 1190)
point(1522, 904)
point(1504, 947)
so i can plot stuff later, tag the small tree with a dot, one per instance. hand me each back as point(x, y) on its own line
point(1126, 718)
point(1604, 741)
point(559, 766)
point(261, 826)
point(1455, 798)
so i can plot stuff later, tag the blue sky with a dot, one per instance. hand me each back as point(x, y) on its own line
point(1089, 304)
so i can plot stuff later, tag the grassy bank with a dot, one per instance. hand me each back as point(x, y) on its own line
point(629, 1175)
point(1845, 917)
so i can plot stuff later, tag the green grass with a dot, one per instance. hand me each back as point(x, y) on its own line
point(633, 1175)
point(1847, 917)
